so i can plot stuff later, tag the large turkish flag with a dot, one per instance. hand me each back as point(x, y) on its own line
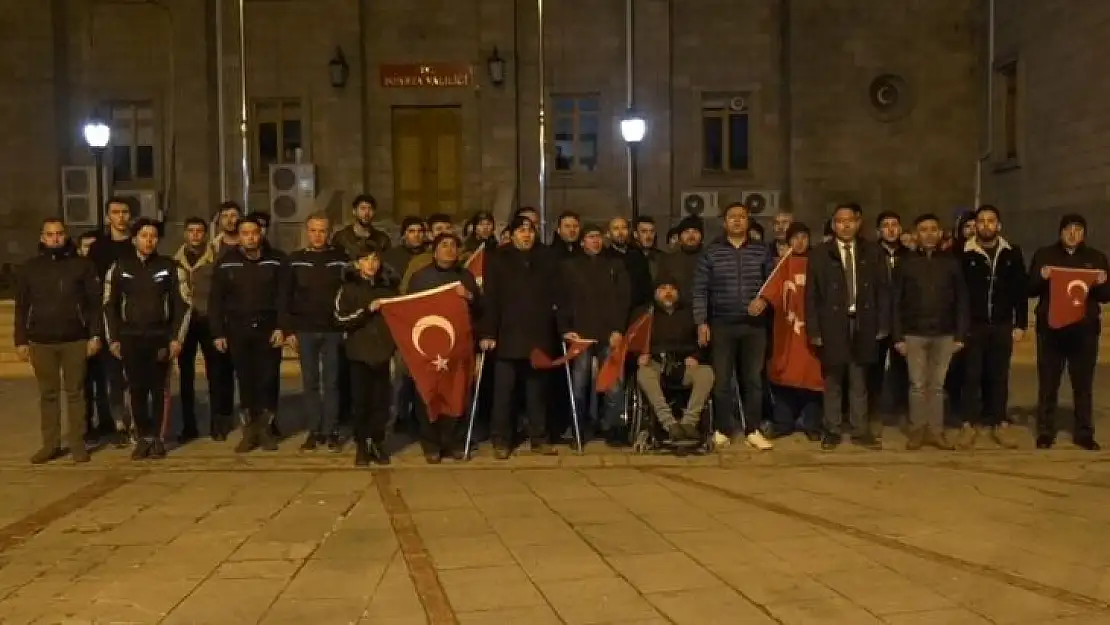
point(1067, 295)
point(433, 333)
point(793, 362)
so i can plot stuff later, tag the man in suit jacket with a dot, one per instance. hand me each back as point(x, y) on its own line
point(847, 315)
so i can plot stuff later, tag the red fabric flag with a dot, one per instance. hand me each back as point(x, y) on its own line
point(541, 360)
point(433, 333)
point(477, 264)
point(1068, 289)
point(636, 340)
point(793, 362)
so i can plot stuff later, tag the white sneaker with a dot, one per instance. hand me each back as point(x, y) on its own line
point(720, 441)
point(758, 441)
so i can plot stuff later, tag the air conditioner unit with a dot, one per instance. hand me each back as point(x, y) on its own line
point(292, 191)
point(701, 203)
point(760, 201)
point(144, 202)
point(79, 207)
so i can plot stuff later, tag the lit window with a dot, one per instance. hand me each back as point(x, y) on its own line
point(575, 128)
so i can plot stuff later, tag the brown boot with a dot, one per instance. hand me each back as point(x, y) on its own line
point(966, 439)
point(915, 439)
point(1005, 435)
point(938, 440)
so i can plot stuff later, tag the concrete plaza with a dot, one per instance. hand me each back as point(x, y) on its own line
point(791, 537)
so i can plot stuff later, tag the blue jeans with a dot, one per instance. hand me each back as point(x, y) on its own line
point(608, 414)
point(319, 354)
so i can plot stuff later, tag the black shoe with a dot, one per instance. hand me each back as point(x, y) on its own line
point(813, 436)
point(121, 439)
point(456, 453)
point(92, 436)
point(615, 438)
point(362, 456)
point(188, 433)
point(690, 431)
point(334, 442)
point(1045, 441)
point(377, 452)
point(432, 457)
point(249, 440)
point(157, 450)
point(267, 441)
point(142, 449)
point(309, 443)
point(46, 454)
point(830, 442)
point(1087, 443)
point(867, 441)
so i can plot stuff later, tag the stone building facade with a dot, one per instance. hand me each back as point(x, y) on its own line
point(818, 101)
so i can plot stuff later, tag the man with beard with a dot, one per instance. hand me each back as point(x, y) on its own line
point(567, 241)
point(248, 311)
point(350, 238)
point(517, 317)
point(146, 314)
point(439, 433)
point(198, 258)
point(57, 328)
point(635, 262)
point(594, 305)
point(997, 289)
point(316, 273)
point(677, 266)
point(645, 234)
point(227, 227)
point(781, 224)
point(395, 261)
point(847, 313)
point(1073, 346)
point(880, 374)
point(729, 314)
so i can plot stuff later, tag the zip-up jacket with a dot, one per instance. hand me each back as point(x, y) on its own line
point(894, 259)
point(674, 334)
point(249, 293)
point(997, 287)
point(105, 251)
point(930, 297)
point(726, 280)
point(639, 273)
point(677, 267)
point(1083, 257)
point(199, 277)
point(595, 296)
point(146, 297)
point(315, 277)
point(57, 298)
point(350, 241)
point(367, 336)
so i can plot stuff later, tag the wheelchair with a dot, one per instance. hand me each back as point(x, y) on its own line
point(647, 434)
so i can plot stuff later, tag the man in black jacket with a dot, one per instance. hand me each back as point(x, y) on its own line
point(890, 369)
point(517, 317)
point(1074, 346)
point(57, 328)
point(315, 273)
point(644, 236)
point(248, 310)
point(567, 240)
point(594, 304)
point(997, 288)
point(677, 266)
point(146, 314)
point(930, 324)
point(637, 266)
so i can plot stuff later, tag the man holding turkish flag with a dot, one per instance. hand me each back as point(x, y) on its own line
point(1069, 277)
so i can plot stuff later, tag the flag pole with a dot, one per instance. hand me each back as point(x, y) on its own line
point(474, 401)
point(573, 405)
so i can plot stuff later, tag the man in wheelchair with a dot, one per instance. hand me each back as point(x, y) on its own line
point(675, 361)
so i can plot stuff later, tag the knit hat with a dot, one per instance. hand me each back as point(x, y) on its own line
point(592, 228)
point(410, 221)
point(1073, 219)
point(690, 223)
point(519, 222)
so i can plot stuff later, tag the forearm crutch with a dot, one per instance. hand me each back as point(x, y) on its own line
point(474, 401)
point(573, 405)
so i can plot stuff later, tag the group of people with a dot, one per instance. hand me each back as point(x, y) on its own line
point(784, 334)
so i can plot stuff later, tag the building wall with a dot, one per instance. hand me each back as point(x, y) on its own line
point(1063, 162)
point(807, 64)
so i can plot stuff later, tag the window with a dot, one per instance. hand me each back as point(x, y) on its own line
point(575, 124)
point(133, 156)
point(725, 132)
point(1008, 77)
point(277, 133)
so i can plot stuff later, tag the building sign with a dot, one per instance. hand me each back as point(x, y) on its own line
point(426, 75)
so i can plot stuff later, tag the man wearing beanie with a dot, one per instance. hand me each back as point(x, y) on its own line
point(1074, 346)
point(396, 260)
point(677, 266)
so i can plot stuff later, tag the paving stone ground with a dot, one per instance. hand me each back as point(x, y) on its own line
point(792, 537)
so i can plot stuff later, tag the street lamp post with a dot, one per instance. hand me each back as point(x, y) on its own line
point(97, 136)
point(633, 129)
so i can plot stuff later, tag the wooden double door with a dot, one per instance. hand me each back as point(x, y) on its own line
point(427, 160)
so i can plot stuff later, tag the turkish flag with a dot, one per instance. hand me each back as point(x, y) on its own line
point(540, 360)
point(1068, 289)
point(432, 331)
point(793, 362)
point(636, 340)
point(477, 264)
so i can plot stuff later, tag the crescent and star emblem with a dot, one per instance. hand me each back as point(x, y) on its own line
point(790, 287)
point(1082, 287)
point(434, 321)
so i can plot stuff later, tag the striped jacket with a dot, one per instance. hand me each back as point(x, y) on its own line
point(727, 279)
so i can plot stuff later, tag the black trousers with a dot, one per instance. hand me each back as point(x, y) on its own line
point(738, 349)
point(146, 364)
point(986, 362)
point(218, 371)
point(97, 406)
point(896, 378)
point(440, 436)
point(1075, 348)
point(507, 375)
point(371, 392)
point(257, 368)
point(836, 376)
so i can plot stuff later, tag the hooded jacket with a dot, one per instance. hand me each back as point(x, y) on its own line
point(57, 298)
